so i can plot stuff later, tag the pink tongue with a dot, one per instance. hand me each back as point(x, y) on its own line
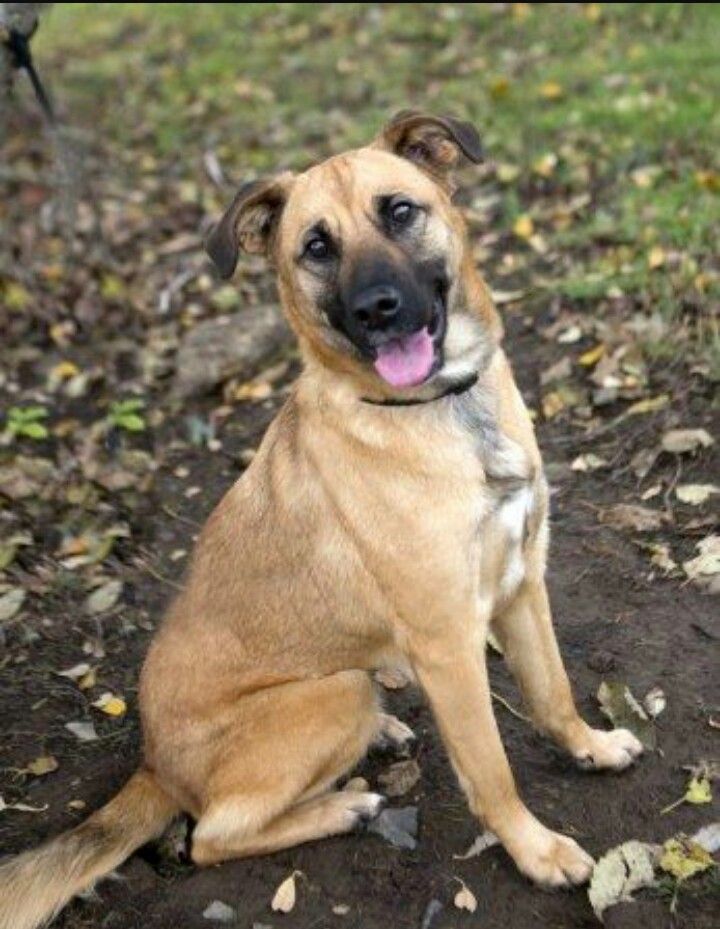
point(406, 361)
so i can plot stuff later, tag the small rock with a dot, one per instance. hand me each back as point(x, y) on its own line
point(219, 912)
point(229, 346)
point(397, 826)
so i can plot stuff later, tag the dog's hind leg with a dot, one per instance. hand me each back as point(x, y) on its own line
point(333, 813)
point(277, 763)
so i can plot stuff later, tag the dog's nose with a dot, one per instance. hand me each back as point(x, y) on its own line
point(377, 307)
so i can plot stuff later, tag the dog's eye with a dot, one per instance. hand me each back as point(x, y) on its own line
point(318, 248)
point(401, 212)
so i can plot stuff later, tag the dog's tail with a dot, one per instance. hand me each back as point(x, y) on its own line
point(36, 885)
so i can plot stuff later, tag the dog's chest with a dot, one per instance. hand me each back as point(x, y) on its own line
point(504, 502)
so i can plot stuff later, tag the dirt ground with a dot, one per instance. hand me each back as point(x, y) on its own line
point(613, 623)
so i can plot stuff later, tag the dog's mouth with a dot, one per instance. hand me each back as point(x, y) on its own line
point(410, 360)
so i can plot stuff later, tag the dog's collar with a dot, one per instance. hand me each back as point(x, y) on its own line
point(459, 387)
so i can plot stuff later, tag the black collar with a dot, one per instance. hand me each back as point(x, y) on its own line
point(460, 387)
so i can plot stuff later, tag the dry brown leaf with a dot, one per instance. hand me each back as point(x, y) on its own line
point(680, 441)
point(631, 516)
point(465, 899)
point(286, 895)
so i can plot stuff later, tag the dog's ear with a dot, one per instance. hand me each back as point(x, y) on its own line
point(249, 222)
point(433, 143)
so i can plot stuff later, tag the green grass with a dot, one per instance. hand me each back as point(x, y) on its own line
point(277, 85)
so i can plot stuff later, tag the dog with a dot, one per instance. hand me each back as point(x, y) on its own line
point(395, 512)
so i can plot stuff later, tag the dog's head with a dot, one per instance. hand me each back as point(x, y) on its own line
point(371, 256)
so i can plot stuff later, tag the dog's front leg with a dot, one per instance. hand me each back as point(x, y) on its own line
point(456, 682)
point(526, 633)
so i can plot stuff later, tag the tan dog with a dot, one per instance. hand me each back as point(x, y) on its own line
point(395, 512)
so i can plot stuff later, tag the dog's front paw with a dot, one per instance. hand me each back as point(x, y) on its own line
point(615, 750)
point(548, 858)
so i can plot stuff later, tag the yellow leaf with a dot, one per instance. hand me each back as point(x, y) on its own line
point(499, 87)
point(546, 164)
point(682, 858)
point(656, 258)
point(45, 764)
point(593, 12)
point(698, 790)
point(16, 297)
point(551, 90)
point(523, 227)
point(552, 404)
point(507, 173)
point(64, 371)
point(110, 705)
point(650, 405)
point(592, 356)
point(521, 11)
point(88, 680)
point(709, 180)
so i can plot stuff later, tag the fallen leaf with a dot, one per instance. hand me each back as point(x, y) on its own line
point(551, 90)
point(22, 807)
point(655, 702)
point(696, 494)
point(484, 841)
point(588, 462)
point(649, 405)
point(570, 335)
point(83, 731)
point(104, 598)
point(285, 896)
point(76, 673)
point(619, 873)
point(656, 257)
point(680, 441)
point(465, 898)
point(629, 516)
point(707, 562)
point(11, 602)
point(625, 712)
point(110, 704)
point(507, 173)
point(400, 778)
point(523, 227)
point(45, 764)
point(660, 556)
point(592, 356)
point(683, 858)
point(708, 837)
point(698, 790)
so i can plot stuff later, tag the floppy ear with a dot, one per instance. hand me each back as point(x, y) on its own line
point(248, 223)
point(433, 143)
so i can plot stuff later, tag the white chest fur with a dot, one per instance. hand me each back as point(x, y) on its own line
point(512, 518)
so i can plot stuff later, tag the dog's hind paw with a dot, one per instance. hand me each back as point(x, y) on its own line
point(393, 732)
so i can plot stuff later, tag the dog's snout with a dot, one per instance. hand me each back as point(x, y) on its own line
point(377, 307)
